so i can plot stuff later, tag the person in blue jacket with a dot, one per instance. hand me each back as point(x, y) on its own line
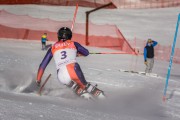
point(43, 41)
point(149, 55)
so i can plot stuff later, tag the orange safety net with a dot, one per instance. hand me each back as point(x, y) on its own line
point(83, 3)
point(26, 27)
point(164, 53)
point(146, 3)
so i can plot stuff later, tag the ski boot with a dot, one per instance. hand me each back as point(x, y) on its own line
point(93, 90)
point(79, 91)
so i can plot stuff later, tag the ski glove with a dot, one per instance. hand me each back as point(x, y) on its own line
point(38, 83)
point(145, 62)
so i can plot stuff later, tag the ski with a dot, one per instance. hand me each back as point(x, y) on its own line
point(140, 73)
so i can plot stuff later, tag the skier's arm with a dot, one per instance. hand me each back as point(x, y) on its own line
point(43, 64)
point(154, 43)
point(81, 49)
point(145, 54)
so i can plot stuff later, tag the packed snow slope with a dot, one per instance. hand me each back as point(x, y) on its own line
point(129, 96)
point(158, 24)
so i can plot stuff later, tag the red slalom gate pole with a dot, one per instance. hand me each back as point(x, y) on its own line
point(40, 90)
point(74, 18)
point(109, 53)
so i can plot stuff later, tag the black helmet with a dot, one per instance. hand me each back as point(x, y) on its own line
point(64, 34)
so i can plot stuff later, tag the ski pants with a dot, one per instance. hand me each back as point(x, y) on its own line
point(150, 64)
point(71, 72)
point(43, 45)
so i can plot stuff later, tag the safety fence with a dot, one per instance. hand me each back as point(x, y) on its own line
point(83, 3)
point(109, 36)
point(27, 27)
point(97, 3)
point(147, 3)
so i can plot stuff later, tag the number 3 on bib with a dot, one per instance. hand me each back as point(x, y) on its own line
point(63, 55)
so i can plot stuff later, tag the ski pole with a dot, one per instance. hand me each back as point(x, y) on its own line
point(74, 18)
point(40, 90)
point(109, 53)
point(171, 59)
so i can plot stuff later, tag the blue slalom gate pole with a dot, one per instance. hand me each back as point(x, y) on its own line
point(171, 58)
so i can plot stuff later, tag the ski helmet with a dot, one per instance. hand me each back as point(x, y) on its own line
point(64, 34)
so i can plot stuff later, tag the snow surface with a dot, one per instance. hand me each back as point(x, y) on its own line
point(129, 96)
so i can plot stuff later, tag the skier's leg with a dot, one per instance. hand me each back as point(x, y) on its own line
point(89, 88)
point(63, 75)
point(65, 78)
point(76, 74)
point(82, 86)
point(72, 76)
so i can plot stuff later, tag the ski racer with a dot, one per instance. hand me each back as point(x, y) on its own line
point(69, 72)
point(149, 55)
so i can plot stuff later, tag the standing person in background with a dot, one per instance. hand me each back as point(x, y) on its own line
point(43, 41)
point(149, 55)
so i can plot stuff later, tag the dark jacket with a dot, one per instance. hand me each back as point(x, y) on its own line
point(149, 50)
